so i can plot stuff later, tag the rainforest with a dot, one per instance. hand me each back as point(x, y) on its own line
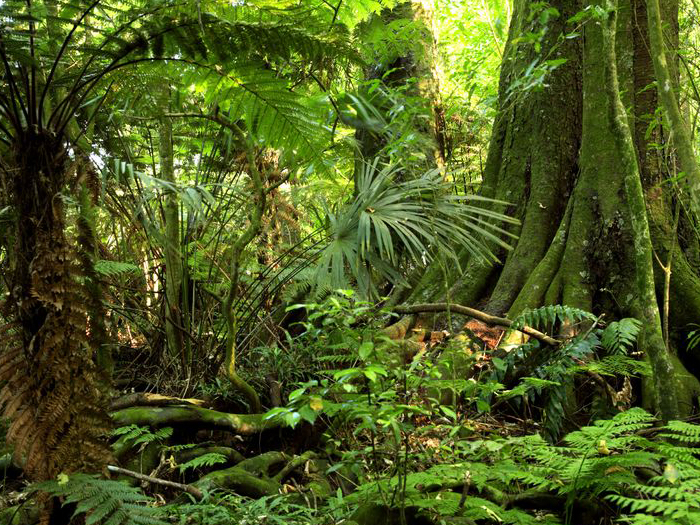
point(360, 262)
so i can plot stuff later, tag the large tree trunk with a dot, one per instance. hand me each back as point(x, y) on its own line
point(531, 164)
point(577, 171)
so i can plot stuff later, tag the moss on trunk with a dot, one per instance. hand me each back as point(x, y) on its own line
point(586, 234)
point(240, 481)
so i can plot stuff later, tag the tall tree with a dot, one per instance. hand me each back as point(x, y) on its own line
point(575, 166)
point(406, 66)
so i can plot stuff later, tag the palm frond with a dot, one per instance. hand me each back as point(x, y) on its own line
point(391, 220)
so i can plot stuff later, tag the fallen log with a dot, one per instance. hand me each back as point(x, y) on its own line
point(152, 400)
point(240, 481)
point(252, 477)
point(242, 424)
point(399, 329)
point(294, 464)
point(232, 455)
point(261, 464)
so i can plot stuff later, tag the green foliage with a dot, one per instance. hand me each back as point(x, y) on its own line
point(693, 339)
point(649, 480)
point(230, 508)
point(102, 501)
point(133, 435)
point(595, 350)
point(205, 460)
point(548, 316)
point(113, 268)
point(390, 217)
point(616, 365)
point(620, 336)
point(604, 460)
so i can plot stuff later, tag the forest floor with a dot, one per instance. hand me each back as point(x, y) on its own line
point(430, 429)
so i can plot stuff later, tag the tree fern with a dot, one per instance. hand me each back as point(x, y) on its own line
point(102, 501)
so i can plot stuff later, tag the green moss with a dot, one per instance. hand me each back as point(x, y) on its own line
point(240, 481)
point(533, 294)
point(25, 514)
point(244, 424)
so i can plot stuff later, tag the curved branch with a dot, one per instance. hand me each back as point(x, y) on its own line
point(476, 314)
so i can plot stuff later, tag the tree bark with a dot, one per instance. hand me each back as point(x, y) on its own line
point(532, 163)
point(420, 63)
point(578, 172)
point(173, 256)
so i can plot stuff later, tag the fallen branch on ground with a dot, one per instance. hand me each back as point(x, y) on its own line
point(152, 400)
point(239, 481)
point(232, 456)
point(197, 493)
point(476, 314)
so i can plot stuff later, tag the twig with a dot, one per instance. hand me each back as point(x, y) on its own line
point(157, 481)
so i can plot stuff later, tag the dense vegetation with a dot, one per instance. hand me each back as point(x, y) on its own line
point(349, 261)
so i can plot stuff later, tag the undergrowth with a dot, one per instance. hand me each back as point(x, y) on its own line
point(409, 435)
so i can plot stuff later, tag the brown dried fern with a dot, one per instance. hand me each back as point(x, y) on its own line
point(53, 391)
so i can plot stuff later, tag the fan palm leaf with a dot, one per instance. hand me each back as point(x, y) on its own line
point(389, 221)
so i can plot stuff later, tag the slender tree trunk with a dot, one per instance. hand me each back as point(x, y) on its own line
point(667, 95)
point(173, 255)
point(419, 64)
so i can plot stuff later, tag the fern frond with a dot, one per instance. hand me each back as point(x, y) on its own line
point(103, 501)
point(682, 431)
point(137, 435)
point(113, 268)
point(205, 460)
point(274, 114)
point(549, 315)
point(616, 365)
point(620, 336)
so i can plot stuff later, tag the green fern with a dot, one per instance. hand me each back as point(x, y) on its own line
point(585, 352)
point(620, 336)
point(616, 365)
point(136, 435)
point(549, 315)
point(432, 491)
point(102, 501)
point(682, 431)
point(205, 460)
point(113, 268)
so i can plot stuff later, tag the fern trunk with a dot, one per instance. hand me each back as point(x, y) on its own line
point(52, 389)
